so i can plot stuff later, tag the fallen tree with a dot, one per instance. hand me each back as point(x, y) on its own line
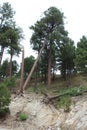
point(52, 98)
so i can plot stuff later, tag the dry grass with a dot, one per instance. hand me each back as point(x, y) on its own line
point(60, 84)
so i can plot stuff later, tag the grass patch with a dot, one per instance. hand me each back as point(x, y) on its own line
point(69, 88)
point(40, 87)
point(23, 116)
point(65, 103)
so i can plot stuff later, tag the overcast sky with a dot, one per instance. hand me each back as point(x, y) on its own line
point(29, 11)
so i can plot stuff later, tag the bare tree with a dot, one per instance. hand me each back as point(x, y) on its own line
point(22, 72)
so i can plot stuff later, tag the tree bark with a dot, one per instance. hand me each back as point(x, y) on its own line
point(33, 67)
point(49, 69)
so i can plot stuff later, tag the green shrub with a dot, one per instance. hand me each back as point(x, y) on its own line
point(23, 116)
point(10, 82)
point(4, 112)
point(65, 102)
point(72, 91)
point(4, 100)
point(7, 110)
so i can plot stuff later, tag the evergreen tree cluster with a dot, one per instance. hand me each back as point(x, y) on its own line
point(60, 52)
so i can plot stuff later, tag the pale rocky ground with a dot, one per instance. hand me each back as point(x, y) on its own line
point(45, 117)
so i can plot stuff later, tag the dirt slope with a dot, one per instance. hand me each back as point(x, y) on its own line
point(45, 117)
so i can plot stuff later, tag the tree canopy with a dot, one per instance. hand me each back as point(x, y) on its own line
point(10, 33)
point(28, 63)
point(81, 55)
point(49, 28)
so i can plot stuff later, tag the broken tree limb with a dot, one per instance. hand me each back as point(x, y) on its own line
point(49, 98)
point(33, 67)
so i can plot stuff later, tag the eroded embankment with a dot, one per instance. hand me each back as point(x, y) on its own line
point(46, 117)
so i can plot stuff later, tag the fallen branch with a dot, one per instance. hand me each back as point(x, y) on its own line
point(49, 98)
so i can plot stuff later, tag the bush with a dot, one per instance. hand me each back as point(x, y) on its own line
point(4, 112)
point(23, 116)
point(65, 102)
point(10, 82)
point(4, 100)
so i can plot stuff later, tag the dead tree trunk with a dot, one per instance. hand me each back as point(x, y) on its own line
point(34, 65)
point(22, 72)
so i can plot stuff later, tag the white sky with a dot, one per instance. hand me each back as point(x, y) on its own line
point(29, 11)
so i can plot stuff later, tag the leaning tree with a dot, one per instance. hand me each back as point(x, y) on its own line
point(49, 28)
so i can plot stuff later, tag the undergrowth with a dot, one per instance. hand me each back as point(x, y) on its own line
point(65, 103)
point(77, 87)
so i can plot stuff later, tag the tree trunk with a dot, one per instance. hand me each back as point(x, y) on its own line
point(33, 67)
point(1, 54)
point(49, 69)
point(22, 73)
point(36, 79)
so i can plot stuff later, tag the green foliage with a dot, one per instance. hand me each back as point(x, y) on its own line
point(15, 67)
point(6, 14)
point(23, 116)
point(14, 35)
point(4, 95)
point(6, 22)
point(4, 112)
point(10, 83)
point(74, 91)
point(28, 63)
point(81, 55)
point(37, 89)
point(4, 69)
point(65, 103)
point(66, 57)
point(4, 100)
point(51, 29)
point(10, 34)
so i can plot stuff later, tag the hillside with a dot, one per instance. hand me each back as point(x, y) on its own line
point(44, 114)
point(45, 117)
